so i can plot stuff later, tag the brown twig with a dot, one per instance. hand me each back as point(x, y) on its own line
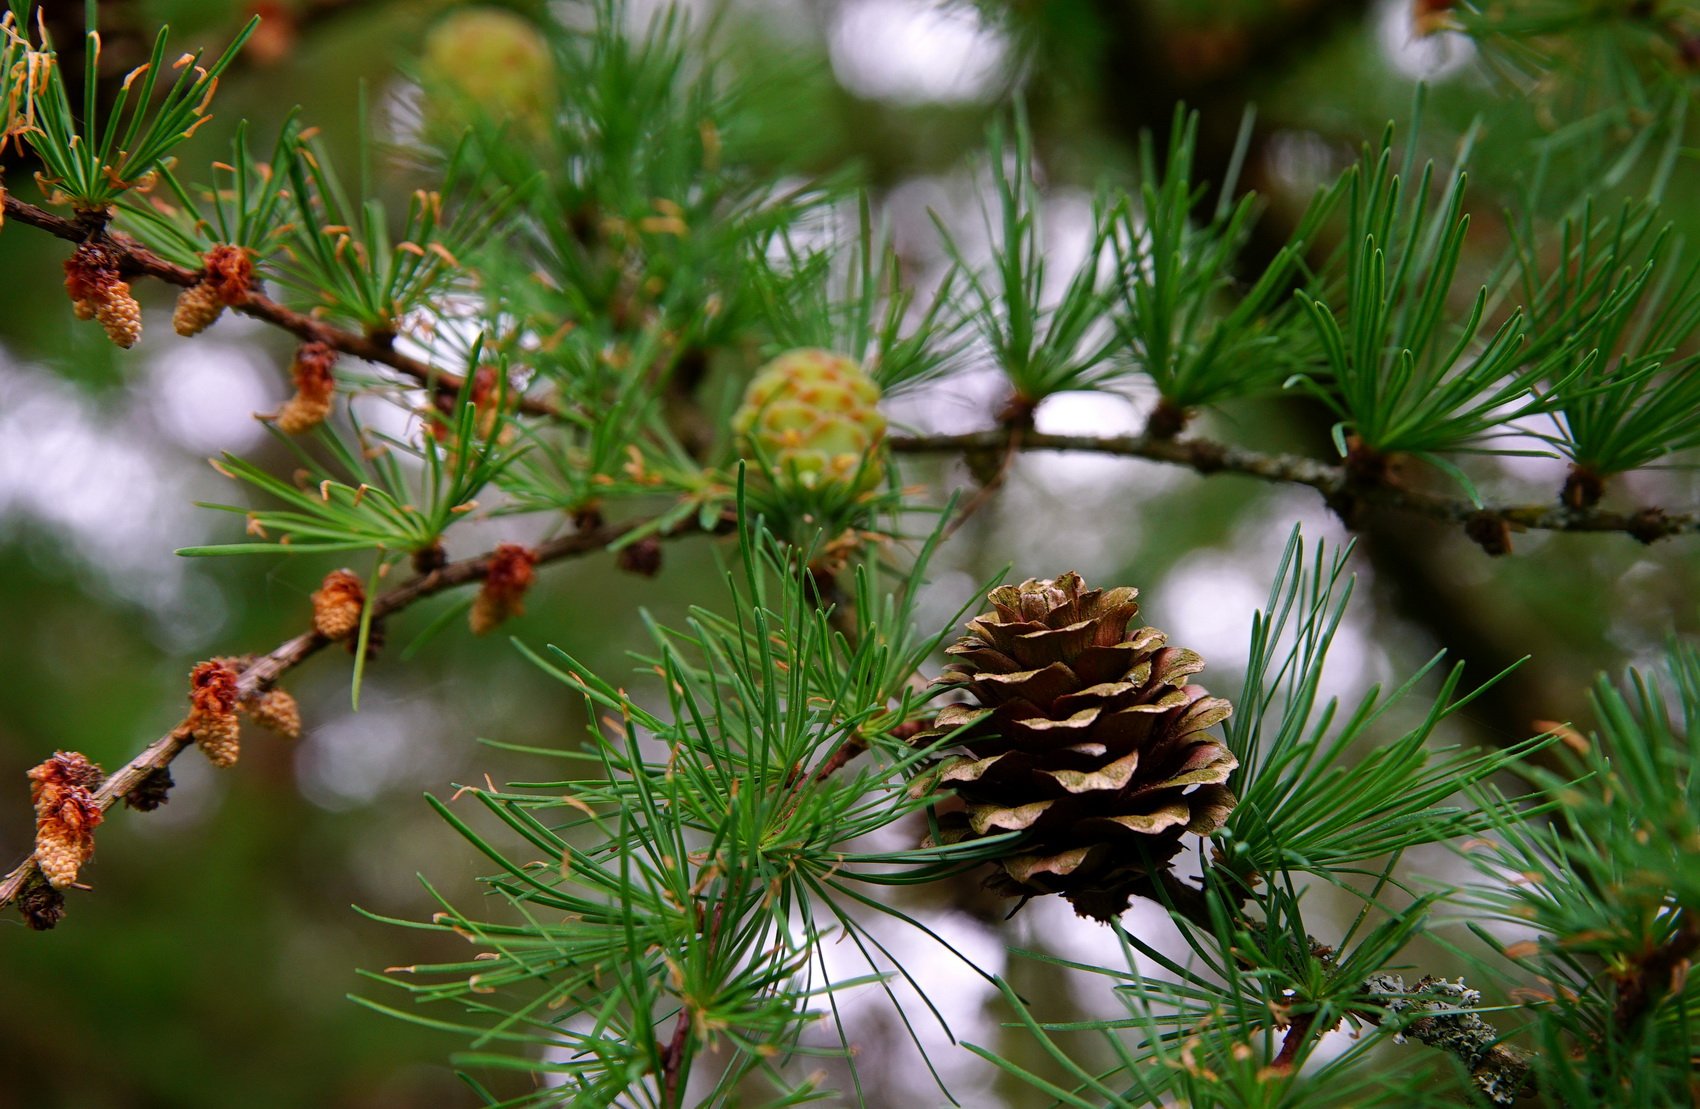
point(1448, 1021)
point(1209, 457)
point(1656, 974)
point(673, 1054)
point(258, 674)
point(841, 756)
point(134, 258)
point(1298, 1031)
point(991, 483)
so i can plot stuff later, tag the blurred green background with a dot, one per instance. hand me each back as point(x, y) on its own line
point(210, 965)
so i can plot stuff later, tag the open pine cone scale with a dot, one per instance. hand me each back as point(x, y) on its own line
point(1084, 737)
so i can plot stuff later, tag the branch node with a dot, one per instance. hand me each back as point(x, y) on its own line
point(1649, 525)
point(1490, 531)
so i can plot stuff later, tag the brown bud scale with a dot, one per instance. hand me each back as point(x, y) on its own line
point(152, 791)
point(213, 722)
point(642, 558)
point(503, 595)
point(276, 709)
point(42, 906)
point(66, 815)
point(315, 389)
point(337, 604)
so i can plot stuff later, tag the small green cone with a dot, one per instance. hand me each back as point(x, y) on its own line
point(813, 417)
point(488, 61)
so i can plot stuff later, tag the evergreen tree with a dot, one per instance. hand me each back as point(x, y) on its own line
point(591, 297)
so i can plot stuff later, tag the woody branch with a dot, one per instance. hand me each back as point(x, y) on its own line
point(1336, 484)
point(134, 258)
point(259, 673)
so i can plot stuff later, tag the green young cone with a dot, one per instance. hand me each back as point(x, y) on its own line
point(812, 417)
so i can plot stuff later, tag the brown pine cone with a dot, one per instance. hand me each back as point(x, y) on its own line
point(315, 389)
point(503, 594)
point(1085, 738)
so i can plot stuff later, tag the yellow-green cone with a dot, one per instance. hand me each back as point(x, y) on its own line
point(489, 61)
point(813, 416)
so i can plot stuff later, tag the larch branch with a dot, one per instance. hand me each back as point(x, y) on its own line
point(261, 672)
point(1332, 481)
point(134, 258)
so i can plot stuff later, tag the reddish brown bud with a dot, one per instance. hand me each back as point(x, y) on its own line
point(212, 715)
point(1490, 532)
point(277, 710)
point(1431, 16)
point(97, 292)
point(66, 815)
point(484, 395)
point(1167, 420)
point(587, 517)
point(1583, 487)
point(430, 559)
point(91, 272)
point(152, 791)
point(642, 558)
point(227, 277)
point(511, 573)
point(315, 388)
point(42, 906)
point(337, 604)
point(198, 307)
point(1688, 50)
point(230, 273)
point(376, 638)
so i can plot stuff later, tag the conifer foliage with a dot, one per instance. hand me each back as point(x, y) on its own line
point(605, 315)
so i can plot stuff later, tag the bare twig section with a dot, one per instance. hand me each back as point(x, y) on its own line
point(673, 1056)
point(673, 1053)
point(1441, 1014)
point(1435, 1012)
point(1298, 1032)
point(134, 258)
point(990, 482)
point(259, 673)
point(1336, 486)
point(841, 756)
